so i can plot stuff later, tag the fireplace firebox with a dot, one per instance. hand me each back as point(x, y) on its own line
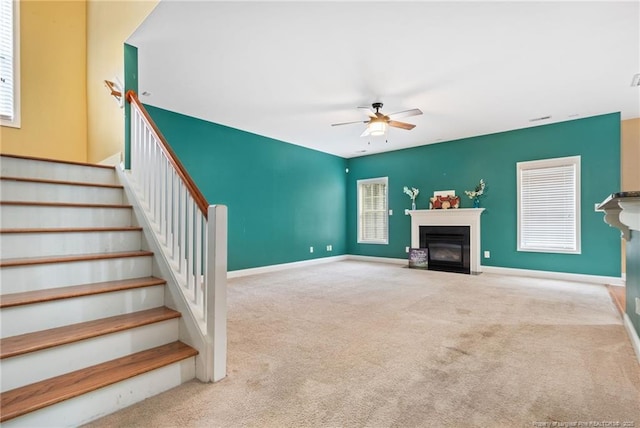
point(449, 248)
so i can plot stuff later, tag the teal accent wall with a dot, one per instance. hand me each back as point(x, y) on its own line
point(130, 83)
point(282, 198)
point(460, 164)
point(633, 278)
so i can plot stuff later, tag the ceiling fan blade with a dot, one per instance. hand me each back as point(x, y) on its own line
point(403, 125)
point(349, 123)
point(368, 111)
point(405, 113)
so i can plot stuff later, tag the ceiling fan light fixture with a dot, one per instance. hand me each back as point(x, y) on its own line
point(379, 123)
point(377, 128)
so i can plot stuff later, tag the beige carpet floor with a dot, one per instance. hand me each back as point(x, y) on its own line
point(354, 344)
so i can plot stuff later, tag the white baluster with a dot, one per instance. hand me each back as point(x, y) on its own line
point(153, 179)
point(158, 185)
point(195, 246)
point(183, 228)
point(174, 214)
point(189, 237)
point(197, 237)
point(145, 163)
point(165, 198)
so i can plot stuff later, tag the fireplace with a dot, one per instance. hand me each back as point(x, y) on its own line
point(461, 217)
point(449, 248)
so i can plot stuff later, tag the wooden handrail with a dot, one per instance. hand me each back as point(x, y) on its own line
point(112, 87)
point(198, 197)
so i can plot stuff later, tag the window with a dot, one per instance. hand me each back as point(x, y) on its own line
point(373, 220)
point(549, 205)
point(9, 64)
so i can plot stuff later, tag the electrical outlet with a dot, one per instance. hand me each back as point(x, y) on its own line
point(406, 249)
point(390, 212)
point(406, 211)
point(638, 305)
point(311, 249)
point(487, 254)
point(329, 248)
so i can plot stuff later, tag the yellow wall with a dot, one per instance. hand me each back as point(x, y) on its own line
point(109, 25)
point(53, 84)
point(630, 151)
point(629, 161)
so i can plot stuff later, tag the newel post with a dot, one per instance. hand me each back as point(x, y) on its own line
point(216, 292)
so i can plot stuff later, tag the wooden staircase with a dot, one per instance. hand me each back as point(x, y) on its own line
point(84, 329)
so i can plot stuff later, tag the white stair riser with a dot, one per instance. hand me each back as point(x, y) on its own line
point(36, 366)
point(48, 192)
point(41, 316)
point(27, 168)
point(21, 216)
point(38, 277)
point(103, 401)
point(18, 245)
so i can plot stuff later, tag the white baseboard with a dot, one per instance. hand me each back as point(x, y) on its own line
point(378, 259)
point(283, 266)
point(633, 336)
point(292, 265)
point(576, 277)
point(592, 279)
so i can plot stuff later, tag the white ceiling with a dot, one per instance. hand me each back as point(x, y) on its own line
point(287, 70)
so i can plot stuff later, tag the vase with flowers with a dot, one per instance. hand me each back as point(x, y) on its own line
point(476, 193)
point(413, 194)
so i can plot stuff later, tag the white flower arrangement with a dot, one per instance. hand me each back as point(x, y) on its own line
point(479, 190)
point(413, 192)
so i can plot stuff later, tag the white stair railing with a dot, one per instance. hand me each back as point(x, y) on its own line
point(193, 233)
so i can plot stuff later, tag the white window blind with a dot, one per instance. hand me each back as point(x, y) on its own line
point(373, 220)
point(8, 63)
point(549, 205)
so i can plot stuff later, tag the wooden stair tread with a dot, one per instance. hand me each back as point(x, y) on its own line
point(29, 261)
point(64, 204)
point(57, 161)
point(50, 294)
point(69, 183)
point(72, 229)
point(29, 398)
point(36, 341)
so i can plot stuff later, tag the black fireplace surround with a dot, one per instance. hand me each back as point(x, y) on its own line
point(449, 248)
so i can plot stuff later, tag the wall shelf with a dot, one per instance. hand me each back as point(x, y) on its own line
point(622, 211)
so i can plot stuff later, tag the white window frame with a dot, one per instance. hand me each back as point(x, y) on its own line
point(547, 205)
point(15, 121)
point(361, 213)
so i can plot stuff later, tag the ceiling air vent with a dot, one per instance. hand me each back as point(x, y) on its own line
point(635, 82)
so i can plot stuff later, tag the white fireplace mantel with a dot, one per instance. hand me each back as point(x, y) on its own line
point(451, 217)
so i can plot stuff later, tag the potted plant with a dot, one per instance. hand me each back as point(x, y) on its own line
point(413, 194)
point(476, 193)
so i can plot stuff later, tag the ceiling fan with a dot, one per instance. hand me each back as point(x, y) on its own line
point(378, 123)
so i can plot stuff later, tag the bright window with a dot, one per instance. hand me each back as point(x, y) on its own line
point(9, 63)
point(373, 219)
point(549, 205)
